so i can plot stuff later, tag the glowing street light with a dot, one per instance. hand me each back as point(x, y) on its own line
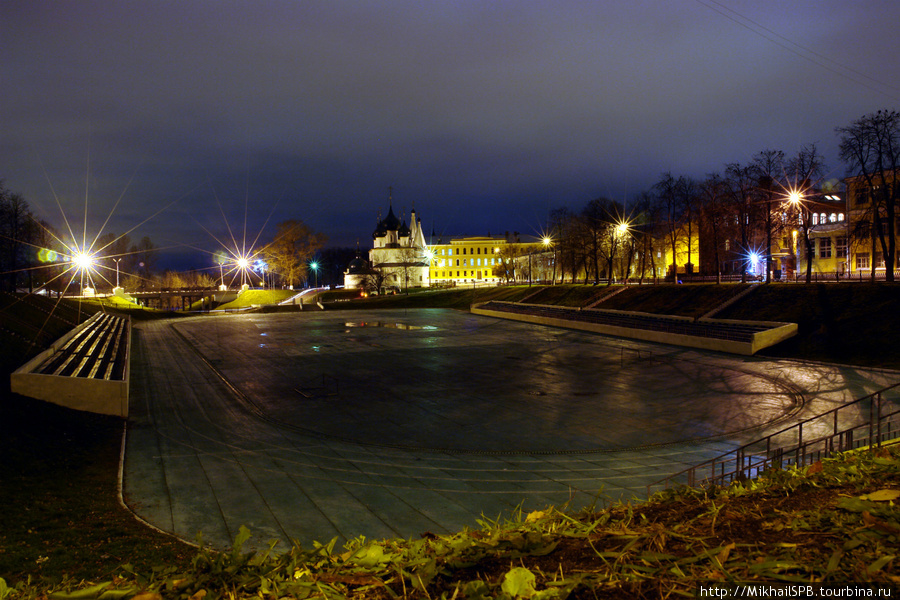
point(83, 261)
point(429, 257)
point(117, 261)
point(315, 267)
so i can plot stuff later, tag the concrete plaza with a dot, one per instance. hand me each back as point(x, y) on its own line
point(309, 426)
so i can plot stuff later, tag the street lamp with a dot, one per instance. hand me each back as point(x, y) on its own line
point(117, 261)
point(429, 256)
point(548, 241)
point(315, 267)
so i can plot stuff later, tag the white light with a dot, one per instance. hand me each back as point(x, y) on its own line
point(243, 262)
point(83, 261)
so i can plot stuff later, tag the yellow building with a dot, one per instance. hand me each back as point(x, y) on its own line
point(472, 260)
point(862, 197)
point(829, 238)
point(663, 249)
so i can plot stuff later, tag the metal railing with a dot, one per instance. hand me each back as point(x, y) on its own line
point(867, 421)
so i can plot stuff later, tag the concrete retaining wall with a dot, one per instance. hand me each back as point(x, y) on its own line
point(775, 332)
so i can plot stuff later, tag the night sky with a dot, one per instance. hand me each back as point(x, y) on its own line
point(483, 115)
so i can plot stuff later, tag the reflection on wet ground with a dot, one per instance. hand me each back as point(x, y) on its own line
point(389, 325)
point(394, 430)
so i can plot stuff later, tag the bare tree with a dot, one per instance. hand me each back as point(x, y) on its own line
point(805, 170)
point(741, 189)
point(372, 281)
point(768, 167)
point(871, 148)
point(506, 266)
point(713, 208)
point(411, 260)
point(669, 208)
point(16, 236)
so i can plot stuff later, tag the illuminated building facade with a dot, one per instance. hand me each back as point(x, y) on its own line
point(865, 198)
point(829, 250)
point(477, 260)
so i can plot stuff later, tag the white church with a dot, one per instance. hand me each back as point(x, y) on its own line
point(398, 258)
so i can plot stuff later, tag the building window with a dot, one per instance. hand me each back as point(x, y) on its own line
point(842, 247)
point(861, 197)
point(815, 219)
point(824, 247)
point(840, 217)
point(450, 251)
point(862, 260)
point(479, 251)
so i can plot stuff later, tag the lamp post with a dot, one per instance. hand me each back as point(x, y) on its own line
point(547, 241)
point(315, 267)
point(117, 261)
point(429, 257)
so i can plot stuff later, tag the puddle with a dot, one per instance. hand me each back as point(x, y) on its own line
point(389, 325)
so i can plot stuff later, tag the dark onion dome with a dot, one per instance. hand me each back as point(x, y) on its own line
point(358, 265)
point(391, 222)
point(404, 230)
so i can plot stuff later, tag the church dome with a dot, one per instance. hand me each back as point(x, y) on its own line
point(357, 265)
point(404, 230)
point(391, 222)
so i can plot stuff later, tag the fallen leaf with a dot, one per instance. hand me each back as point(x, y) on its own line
point(534, 516)
point(883, 495)
point(723, 555)
point(879, 524)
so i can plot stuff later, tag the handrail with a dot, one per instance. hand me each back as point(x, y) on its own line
point(751, 459)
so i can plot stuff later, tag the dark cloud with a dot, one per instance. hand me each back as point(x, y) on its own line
point(483, 114)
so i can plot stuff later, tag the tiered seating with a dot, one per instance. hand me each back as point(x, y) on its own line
point(742, 332)
point(98, 351)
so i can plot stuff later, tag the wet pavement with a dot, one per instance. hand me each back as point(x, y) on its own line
point(309, 426)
